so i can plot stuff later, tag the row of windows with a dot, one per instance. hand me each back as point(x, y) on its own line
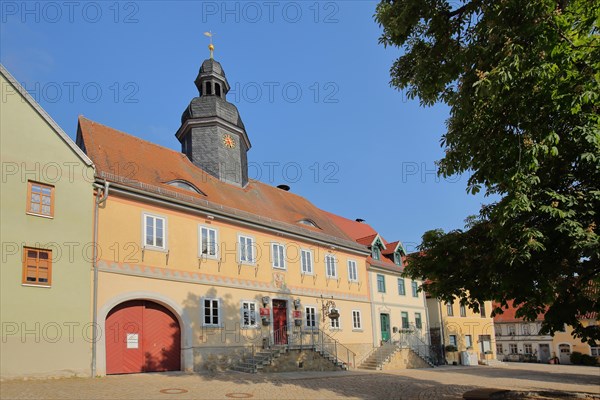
point(463, 310)
point(155, 237)
point(406, 322)
point(453, 340)
point(401, 286)
point(250, 316)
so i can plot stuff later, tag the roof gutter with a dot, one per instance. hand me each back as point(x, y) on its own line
point(179, 204)
point(101, 191)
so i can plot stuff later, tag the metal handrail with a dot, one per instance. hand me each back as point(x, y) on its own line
point(316, 339)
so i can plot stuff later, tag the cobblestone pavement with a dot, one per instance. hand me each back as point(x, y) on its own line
point(439, 383)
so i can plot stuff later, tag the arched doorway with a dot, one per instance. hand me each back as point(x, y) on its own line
point(142, 336)
point(564, 353)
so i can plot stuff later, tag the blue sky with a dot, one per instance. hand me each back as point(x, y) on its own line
point(309, 78)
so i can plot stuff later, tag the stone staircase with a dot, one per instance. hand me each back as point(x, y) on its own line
point(266, 357)
point(258, 361)
point(379, 356)
point(493, 363)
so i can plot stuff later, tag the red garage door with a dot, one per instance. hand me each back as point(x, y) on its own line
point(142, 336)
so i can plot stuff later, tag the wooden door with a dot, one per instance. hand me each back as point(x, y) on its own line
point(385, 327)
point(280, 321)
point(142, 336)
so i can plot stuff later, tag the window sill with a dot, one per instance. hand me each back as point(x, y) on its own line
point(247, 263)
point(36, 285)
point(250, 327)
point(280, 268)
point(307, 273)
point(358, 330)
point(39, 215)
point(212, 326)
point(154, 248)
point(207, 257)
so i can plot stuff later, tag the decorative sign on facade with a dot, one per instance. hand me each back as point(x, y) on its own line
point(265, 312)
point(297, 314)
point(133, 341)
point(279, 280)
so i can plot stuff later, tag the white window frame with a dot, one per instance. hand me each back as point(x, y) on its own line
point(469, 341)
point(242, 247)
point(255, 311)
point(356, 317)
point(512, 330)
point(511, 347)
point(315, 316)
point(219, 317)
point(306, 254)
point(146, 215)
point(330, 260)
point(526, 329)
point(335, 324)
point(352, 271)
point(528, 345)
point(215, 243)
point(278, 255)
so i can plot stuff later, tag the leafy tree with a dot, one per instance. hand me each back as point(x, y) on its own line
point(522, 80)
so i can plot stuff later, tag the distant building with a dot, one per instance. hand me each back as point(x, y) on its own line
point(519, 340)
point(47, 243)
point(454, 326)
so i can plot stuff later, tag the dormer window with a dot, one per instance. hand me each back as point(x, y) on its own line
point(397, 259)
point(181, 184)
point(308, 222)
point(376, 252)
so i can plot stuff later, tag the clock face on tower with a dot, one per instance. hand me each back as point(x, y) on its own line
point(228, 141)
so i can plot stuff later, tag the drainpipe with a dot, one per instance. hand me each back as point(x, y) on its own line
point(442, 331)
point(99, 201)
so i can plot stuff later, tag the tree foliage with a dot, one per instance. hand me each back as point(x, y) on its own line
point(522, 80)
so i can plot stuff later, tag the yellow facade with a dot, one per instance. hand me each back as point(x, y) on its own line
point(463, 328)
point(179, 278)
point(396, 305)
point(564, 344)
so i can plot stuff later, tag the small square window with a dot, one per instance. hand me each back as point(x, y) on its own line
point(40, 199)
point(37, 267)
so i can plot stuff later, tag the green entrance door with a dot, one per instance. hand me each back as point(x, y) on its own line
point(385, 327)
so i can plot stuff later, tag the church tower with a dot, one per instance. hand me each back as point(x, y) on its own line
point(212, 134)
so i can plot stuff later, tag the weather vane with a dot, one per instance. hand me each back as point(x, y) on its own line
point(211, 47)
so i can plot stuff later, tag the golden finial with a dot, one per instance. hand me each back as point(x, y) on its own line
point(211, 47)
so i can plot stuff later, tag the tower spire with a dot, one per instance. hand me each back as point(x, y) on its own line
point(211, 47)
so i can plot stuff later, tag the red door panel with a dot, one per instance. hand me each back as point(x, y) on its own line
point(142, 336)
point(280, 321)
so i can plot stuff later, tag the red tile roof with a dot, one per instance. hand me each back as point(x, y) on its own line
point(124, 158)
point(509, 314)
point(363, 233)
